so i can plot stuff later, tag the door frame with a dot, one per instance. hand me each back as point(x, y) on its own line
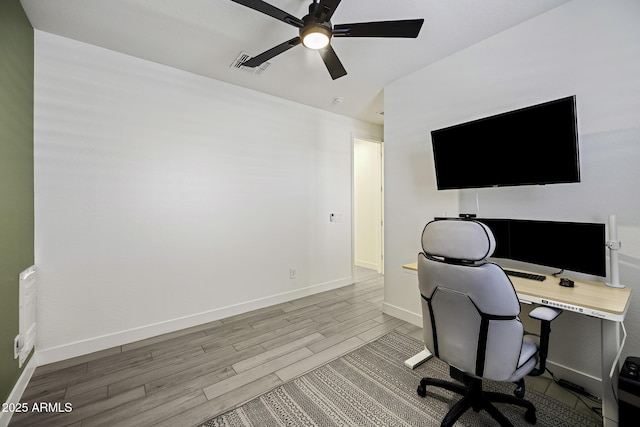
point(355, 138)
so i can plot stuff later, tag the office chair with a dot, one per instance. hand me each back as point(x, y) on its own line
point(470, 318)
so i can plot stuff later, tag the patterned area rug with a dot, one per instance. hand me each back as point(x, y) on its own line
point(371, 387)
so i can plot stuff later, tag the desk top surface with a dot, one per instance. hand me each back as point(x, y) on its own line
point(588, 294)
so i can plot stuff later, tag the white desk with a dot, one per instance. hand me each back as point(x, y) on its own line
point(589, 298)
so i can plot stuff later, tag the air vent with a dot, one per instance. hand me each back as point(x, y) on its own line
point(244, 56)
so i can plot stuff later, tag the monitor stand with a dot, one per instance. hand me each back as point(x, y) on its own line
point(614, 246)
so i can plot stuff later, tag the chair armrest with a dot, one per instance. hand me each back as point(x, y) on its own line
point(546, 314)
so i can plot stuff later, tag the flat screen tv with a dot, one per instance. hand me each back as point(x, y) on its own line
point(535, 145)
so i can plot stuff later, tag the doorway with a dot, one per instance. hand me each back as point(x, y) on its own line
point(368, 206)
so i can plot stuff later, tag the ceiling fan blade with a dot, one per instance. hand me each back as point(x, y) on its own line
point(332, 62)
point(267, 55)
point(272, 11)
point(409, 28)
point(325, 9)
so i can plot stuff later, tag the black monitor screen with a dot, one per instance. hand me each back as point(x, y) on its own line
point(500, 230)
point(567, 245)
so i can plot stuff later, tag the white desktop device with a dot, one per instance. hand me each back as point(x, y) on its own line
point(614, 246)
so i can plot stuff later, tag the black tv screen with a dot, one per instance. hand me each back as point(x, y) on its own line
point(529, 146)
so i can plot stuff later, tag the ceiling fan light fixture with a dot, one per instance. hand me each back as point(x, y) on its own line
point(315, 36)
point(315, 31)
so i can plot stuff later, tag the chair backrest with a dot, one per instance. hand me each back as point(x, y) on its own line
point(469, 306)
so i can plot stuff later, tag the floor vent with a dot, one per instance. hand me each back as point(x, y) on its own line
point(244, 56)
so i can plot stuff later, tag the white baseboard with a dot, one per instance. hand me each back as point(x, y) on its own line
point(366, 264)
point(402, 314)
point(81, 348)
point(18, 389)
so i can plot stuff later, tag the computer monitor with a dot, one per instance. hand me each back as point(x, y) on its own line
point(575, 246)
point(571, 246)
point(500, 229)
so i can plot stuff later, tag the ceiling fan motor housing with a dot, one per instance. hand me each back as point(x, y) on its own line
point(313, 26)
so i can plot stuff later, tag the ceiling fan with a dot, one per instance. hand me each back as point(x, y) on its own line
point(316, 30)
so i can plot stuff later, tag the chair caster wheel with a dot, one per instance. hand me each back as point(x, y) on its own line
point(519, 391)
point(530, 416)
point(422, 391)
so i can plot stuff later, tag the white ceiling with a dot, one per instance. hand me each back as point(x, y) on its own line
point(205, 36)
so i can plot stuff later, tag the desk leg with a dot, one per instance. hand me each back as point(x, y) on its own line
point(610, 331)
point(417, 360)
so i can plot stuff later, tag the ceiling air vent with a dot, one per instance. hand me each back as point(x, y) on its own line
point(244, 56)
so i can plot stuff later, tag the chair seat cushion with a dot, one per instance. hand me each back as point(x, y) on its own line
point(529, 348)
point(528, 357)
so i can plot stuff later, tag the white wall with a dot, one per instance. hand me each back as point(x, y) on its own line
point(590, 49)
point(165, 199)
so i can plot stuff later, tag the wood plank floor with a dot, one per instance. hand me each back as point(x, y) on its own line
point(187, 377)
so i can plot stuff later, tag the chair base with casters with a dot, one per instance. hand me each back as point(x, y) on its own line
point(477, 399)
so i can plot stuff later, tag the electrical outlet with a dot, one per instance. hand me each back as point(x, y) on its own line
point(292, 273)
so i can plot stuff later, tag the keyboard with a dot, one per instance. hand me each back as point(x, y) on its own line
point(523, 275)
